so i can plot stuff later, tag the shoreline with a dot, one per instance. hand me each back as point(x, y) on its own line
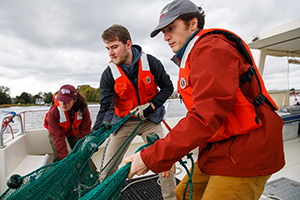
point(27, 105)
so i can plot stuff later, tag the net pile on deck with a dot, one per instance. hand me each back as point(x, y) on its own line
point(72, 177)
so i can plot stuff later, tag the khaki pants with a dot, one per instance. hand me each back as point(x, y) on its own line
point(207, 187)
point(147, 127)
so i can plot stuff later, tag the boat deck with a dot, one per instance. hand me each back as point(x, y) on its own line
point(291, 169)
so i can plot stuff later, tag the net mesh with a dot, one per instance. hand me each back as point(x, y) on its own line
point(72, 177)
point(111, 188)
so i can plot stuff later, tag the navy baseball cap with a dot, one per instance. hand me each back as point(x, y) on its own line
point(172, 11)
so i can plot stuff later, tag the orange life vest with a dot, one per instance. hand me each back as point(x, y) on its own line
point(64, 122)
point(126, 96)
point(46, 116)
point(243, 117)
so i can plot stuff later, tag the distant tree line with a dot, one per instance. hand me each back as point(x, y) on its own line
point(4, 95)
point(91, 94)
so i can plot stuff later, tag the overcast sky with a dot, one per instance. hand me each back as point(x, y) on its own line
point(48, 43)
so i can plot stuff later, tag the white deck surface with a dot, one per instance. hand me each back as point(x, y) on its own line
point(291, 169)
point(30, 162)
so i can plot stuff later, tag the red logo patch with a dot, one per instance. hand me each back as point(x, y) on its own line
point(161, 16)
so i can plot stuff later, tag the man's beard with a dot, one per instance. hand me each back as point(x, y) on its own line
point(122, 58)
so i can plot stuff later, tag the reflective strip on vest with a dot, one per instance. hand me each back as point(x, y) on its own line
point(62, 116)
point(114, 70)
point(187, 51)
point(145, 63)
point(79, 115)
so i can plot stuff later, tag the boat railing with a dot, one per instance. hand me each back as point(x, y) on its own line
point(5, 118)
point(30, 111)
point(20, 129)
point(20, 126)
point(282, 98)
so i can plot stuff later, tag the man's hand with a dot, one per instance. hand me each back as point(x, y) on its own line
point(167, 173)
point(143, 111)
point(137, 165)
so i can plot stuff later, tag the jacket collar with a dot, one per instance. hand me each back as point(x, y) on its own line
point(178, 56)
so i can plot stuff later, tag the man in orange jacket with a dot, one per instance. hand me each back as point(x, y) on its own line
point(230, 117)
point(130, 82)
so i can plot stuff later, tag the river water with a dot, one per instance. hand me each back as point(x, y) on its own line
point(35, 120)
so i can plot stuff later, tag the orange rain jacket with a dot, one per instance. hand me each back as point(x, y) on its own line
point(243, 117)
point(216, 67)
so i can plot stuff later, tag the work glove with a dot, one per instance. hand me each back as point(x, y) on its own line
point(106, 124)
point(142, 111)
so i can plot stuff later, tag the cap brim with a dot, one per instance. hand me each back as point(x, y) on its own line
point(63, 99)
point(162, 25)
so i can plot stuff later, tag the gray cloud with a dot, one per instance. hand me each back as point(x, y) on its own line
point(45, 44)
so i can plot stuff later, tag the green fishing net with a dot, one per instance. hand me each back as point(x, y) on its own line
point(72, 177)
point(111, 188)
